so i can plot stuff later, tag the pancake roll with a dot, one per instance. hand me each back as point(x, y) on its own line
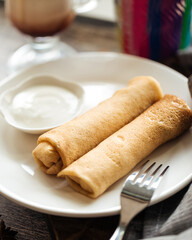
point(59, 147)
point(113, 158)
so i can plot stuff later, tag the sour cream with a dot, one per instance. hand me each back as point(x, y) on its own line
point(43, 106)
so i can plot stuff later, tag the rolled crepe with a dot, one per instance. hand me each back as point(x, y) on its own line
point(112, 159)
point(61, 146)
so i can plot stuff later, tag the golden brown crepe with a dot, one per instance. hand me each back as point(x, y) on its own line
point(94, 172)
point(61, 146)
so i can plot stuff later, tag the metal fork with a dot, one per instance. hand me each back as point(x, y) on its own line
point(136, 194)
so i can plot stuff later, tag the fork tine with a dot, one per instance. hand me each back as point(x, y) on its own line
point(156, 182)
point(143, 176)
point(132, 177)
point(150, 178)
point(154, 179)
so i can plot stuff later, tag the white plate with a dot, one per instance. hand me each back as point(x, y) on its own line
point(100, 75)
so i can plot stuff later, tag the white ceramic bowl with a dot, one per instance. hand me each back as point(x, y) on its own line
point(40, 103)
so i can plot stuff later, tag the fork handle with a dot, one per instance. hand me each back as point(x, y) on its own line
point(126, 217)
point(119, 233)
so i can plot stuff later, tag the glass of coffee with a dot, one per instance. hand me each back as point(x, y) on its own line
point(43, 20)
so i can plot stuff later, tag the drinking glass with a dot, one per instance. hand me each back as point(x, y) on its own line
point(42, 20)
point(155, 29)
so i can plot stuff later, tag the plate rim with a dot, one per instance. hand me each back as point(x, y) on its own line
point(93, 54)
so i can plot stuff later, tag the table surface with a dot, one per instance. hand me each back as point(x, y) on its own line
point(84, 34)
